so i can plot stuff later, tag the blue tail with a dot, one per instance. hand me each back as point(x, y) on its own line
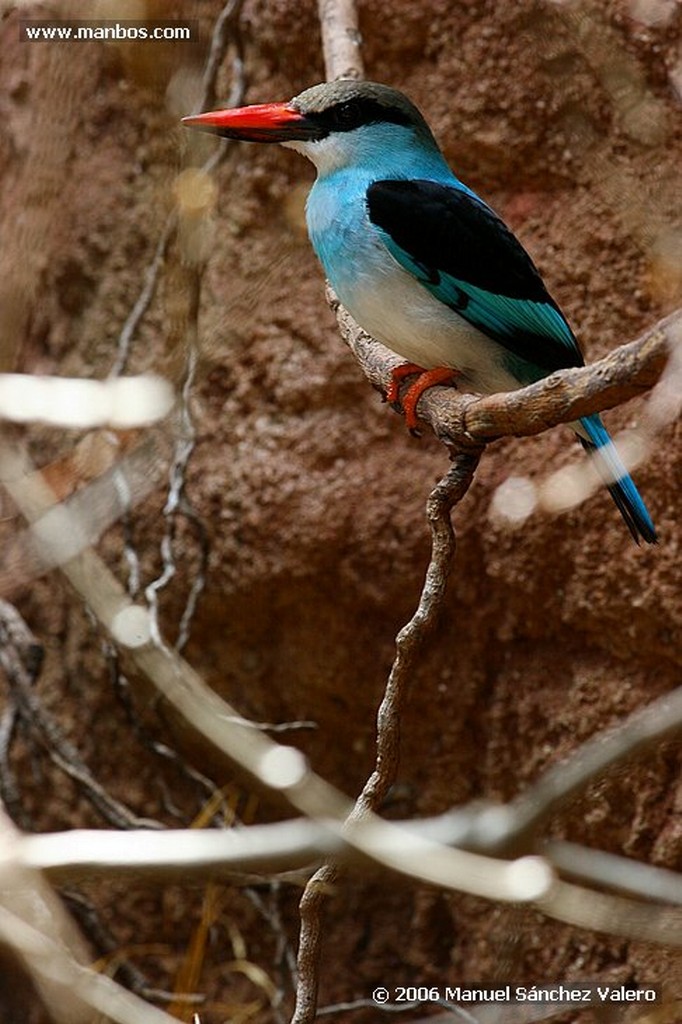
point(618, 481)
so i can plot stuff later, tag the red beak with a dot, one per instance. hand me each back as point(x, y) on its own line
point(264, 122)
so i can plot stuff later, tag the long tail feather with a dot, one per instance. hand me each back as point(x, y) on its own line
point(620, 484)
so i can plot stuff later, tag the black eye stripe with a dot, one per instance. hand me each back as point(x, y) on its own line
point(350, 114)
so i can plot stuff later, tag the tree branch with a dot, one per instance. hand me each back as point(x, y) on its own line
point(462, 419)
point(340, 39)
point(414, 852)
point(410, 644)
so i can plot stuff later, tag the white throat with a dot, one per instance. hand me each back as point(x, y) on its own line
point(327, 154)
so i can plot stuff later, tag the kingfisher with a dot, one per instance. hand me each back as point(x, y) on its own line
point(422, 263)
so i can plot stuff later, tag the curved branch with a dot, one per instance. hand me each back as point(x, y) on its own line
point(409, 647)
point(462, 419)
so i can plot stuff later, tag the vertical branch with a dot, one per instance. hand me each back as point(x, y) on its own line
point(310, 943)
point(225, 30)
point(410, 646)
point(411, 639)
point(340, 39)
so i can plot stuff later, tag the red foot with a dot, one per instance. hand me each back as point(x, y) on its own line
point(398, 375)
point(427, 379)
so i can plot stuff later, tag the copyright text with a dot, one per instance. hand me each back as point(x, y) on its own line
point(569, 993)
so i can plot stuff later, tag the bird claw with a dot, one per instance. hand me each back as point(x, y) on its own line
point(425, 379)
point(398, 375)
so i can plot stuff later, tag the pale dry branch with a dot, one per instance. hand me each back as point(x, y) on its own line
point(290, 848)
point(611, 914)
point(79, 521)
point(73, 992)
point(609, 871)
point(81, 403)
point(176, 854)
point(15, 648)
point(511, 829)
point(642, 731)
point(341, 39)
point(34, 924)
point(412, 848)
point(462, 419)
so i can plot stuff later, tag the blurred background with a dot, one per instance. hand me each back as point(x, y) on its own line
point(275, 520)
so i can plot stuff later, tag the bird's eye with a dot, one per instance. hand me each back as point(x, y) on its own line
point(348, 115)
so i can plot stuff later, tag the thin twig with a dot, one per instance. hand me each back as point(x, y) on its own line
point(143, 300)
point(64, 754)
point(224, 31)
point(20, 652)
point(412, 638)
point(10, 794)
point(123, 692)
point(410, 644)
point(104, 941)
point(17, 646)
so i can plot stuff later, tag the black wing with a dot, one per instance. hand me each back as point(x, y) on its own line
point(469, 259)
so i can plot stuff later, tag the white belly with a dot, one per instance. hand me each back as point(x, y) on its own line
point(399, 312)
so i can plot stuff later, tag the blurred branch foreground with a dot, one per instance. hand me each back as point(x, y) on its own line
point(466, 849)
point(496, 851)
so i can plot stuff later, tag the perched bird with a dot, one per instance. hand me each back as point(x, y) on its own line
point(419, 261)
